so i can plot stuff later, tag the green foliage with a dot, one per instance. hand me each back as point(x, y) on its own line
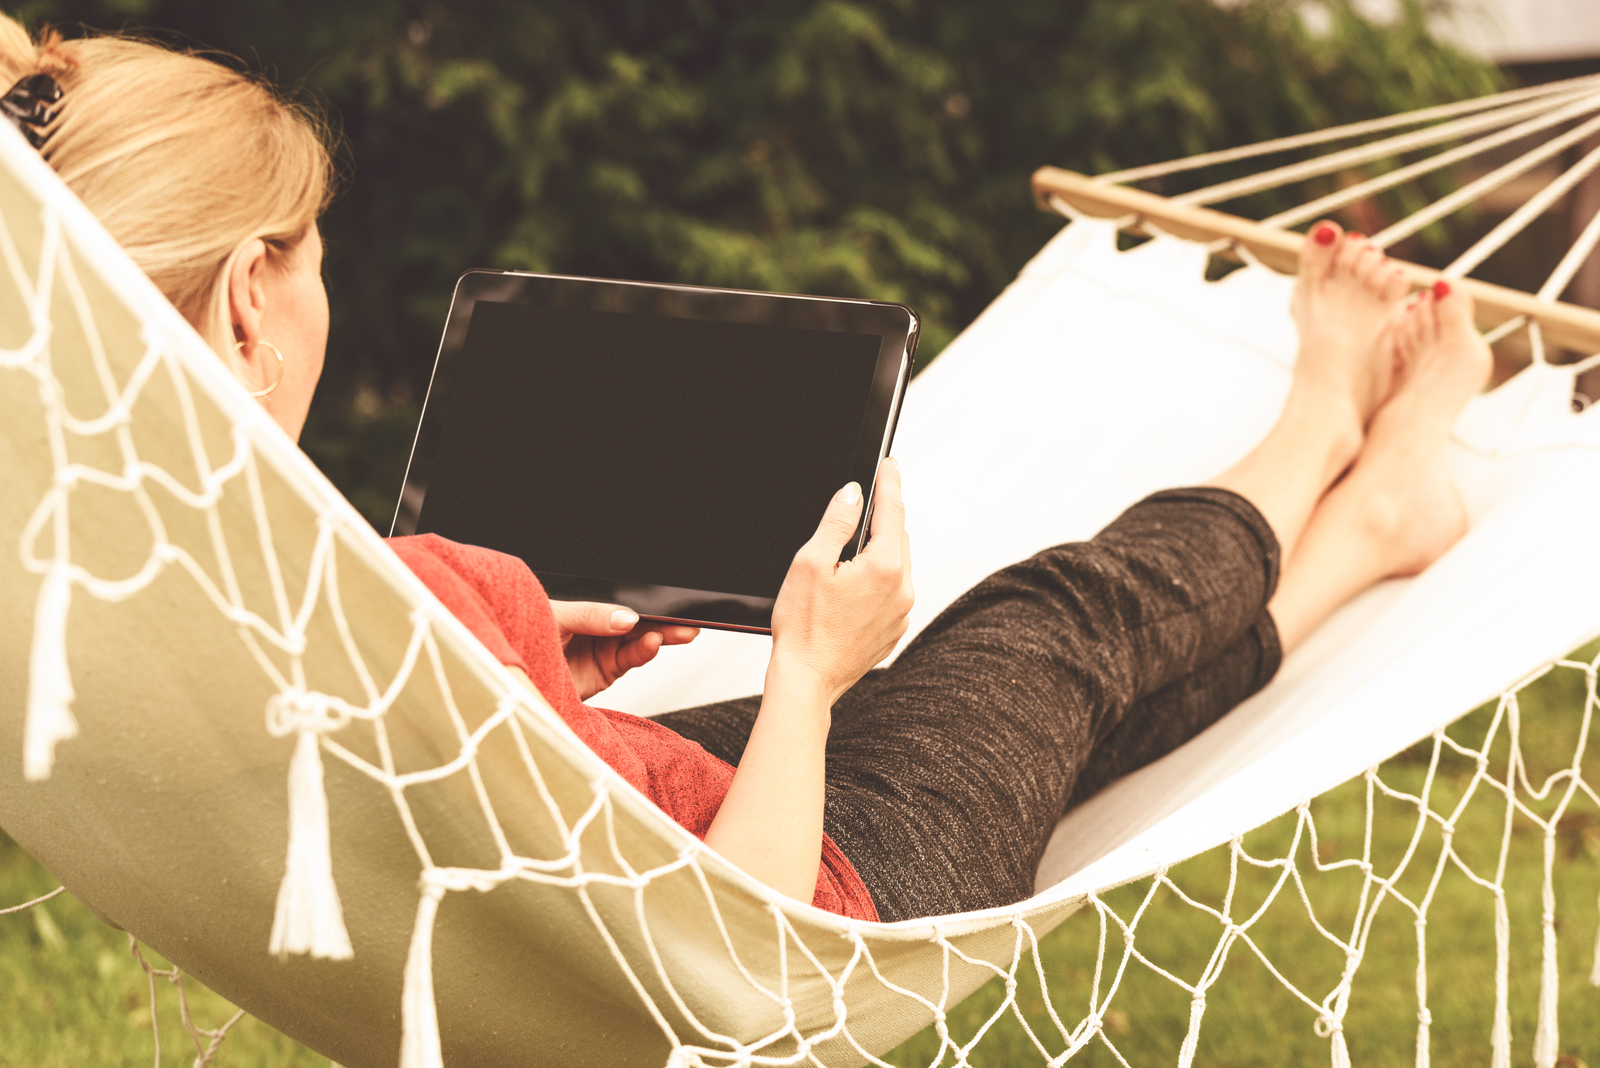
point(876, 148)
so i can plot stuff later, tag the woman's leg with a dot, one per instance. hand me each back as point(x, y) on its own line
point(948, 769)
point(1348, 297)
point(947, 774)
point(1397, 511)
point(1152, 727)
point(1160, 722)
point(1394, 515)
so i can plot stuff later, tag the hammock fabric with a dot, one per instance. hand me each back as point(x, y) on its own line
point(251, 738)
point(1100, 376)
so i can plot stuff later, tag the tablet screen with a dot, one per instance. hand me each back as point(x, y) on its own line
point(646, 449)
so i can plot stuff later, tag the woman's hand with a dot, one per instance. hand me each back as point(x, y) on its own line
point(604, 642)
point(833, 622)
point(837, 620)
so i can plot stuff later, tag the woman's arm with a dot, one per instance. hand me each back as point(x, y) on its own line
point(770, 822)
point(831, 624)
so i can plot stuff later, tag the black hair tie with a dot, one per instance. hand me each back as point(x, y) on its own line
point(31, 105)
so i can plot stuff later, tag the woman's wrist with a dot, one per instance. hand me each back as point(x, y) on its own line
point(799, 687)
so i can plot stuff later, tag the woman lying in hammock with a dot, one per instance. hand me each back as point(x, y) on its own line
point(931, 786)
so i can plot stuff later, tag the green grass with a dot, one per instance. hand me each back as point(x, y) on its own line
point(74, 995)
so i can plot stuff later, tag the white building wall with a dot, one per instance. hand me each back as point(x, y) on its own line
point(1524, 31)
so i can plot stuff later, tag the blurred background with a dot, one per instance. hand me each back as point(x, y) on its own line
point(864, 148)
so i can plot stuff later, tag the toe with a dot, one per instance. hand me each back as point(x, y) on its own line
point(1417, 329)
point(1412, 330)
point(1316, 255)
point(1392, 283)
point(1349, 252)
point(1371, 266)
point(1405, 336)
point(1453, 306)
point(1468, 353)
point(1427, 323)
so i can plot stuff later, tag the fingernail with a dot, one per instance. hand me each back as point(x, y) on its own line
point(851, 493)
point(623, 618)
point(1441, 289)
point(1324, 234)
point(893, 463)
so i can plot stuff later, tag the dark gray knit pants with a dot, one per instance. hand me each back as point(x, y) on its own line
point(947, 771)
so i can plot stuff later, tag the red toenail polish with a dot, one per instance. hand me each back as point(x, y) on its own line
point(1441, 289)
point(1324, 234)
point(1354, 236)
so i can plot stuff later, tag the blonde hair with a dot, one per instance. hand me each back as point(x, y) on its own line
point(181, 158)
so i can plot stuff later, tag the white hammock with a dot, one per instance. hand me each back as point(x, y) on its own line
point(158, 614)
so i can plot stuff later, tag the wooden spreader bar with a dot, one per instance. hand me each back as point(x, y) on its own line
point(1564, 325)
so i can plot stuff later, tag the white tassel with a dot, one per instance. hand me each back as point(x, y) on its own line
point(1341, 1052)
point(1500, 1036)
point(419, 1018)
point(1594, 973)
point(1197, 1009)
point(1424, 1017)
point(1547, 1040)
point(308, 917)
point(50, 695)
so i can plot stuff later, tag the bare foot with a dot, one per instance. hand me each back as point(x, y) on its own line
point(1396, 511)
point(1348, 297)
point(1399, 495)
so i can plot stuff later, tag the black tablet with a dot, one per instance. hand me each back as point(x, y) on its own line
point(663, 447)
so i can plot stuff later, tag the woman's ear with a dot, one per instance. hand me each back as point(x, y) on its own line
point(247, 306)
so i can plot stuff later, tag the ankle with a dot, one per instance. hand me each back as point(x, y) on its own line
point(1402, 514)
point(1325, 424)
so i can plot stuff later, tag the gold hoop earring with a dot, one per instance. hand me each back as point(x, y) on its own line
point(238, 346)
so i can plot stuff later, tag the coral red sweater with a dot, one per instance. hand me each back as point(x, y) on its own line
point(501, 602)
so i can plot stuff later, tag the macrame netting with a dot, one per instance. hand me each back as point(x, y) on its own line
point(251, 738)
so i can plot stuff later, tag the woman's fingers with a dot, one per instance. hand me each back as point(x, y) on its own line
point(843, 515)
point(888, 506)
point(837, 620)
point(906, 588)
point(640, 647)
point(838, 524)
point(615, 621)
point(638, 652)
point(889, 551)
point(603, 642)
point(588, 617)
point(674, 634)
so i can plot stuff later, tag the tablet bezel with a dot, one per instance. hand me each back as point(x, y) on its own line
point(895, 325)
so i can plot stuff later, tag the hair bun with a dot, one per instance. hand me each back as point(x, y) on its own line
point(51, 54)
